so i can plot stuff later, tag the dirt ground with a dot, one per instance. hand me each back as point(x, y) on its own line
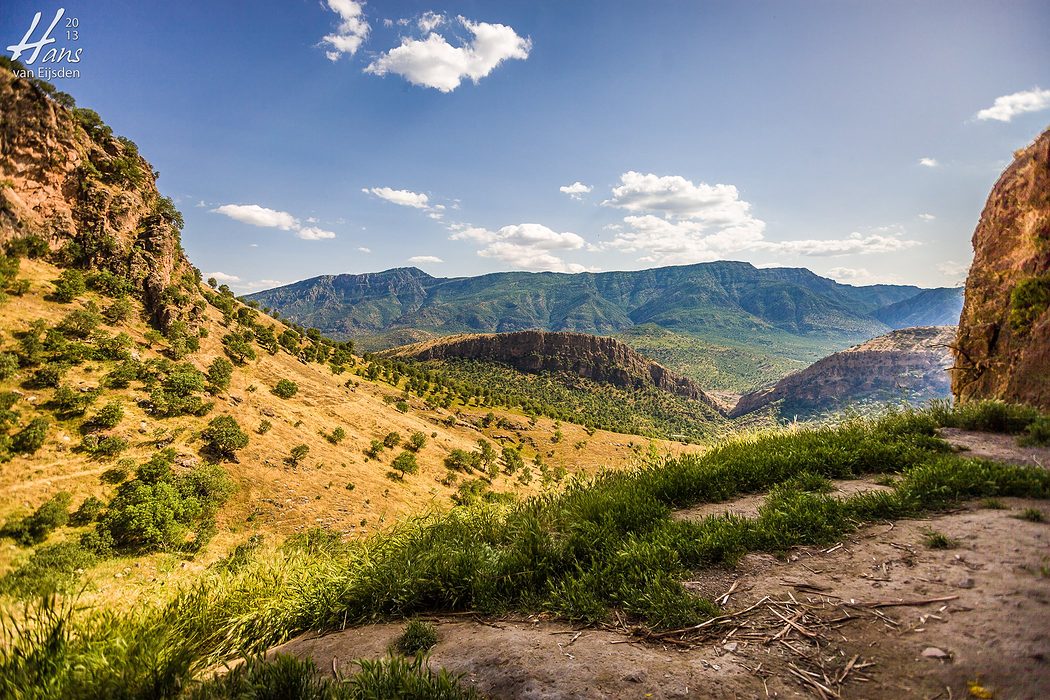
point(878, 615)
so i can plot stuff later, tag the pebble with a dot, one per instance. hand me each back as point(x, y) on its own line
point(935, 653)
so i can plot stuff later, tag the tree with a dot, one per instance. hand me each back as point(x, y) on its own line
point(285, 389)
point(417, 440)
point(238, 348)
point(512, 460)
point(405, 463)
point(30, 438)
point(392, 440)
point(223, 437)
point(336, 436)
point(219, 373)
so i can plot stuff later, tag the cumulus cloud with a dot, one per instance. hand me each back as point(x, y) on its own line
point(402, 198)
point(424, 259)
point(222, 277)
point(435, 63)
point(858, 276)
point(687, 223)
point(576, 190)
point(257, 216)
point(429, 21)
point(1007, 107)
point(524, 246)
point(265, 217)
point(928, 162)
point(352, 30)
point(927, 217)
point(363, 249)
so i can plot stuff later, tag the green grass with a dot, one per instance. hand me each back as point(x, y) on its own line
point(1032, 515)
point(989, 416)
point(417, 637)
point(602, 544)
point(939, 540)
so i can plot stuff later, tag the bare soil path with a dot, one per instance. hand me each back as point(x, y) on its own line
point(878, 615)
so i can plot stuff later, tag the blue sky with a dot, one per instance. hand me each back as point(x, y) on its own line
point(308, 137)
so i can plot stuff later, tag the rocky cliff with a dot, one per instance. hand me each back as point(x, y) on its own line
point(88, 195)
point(911, 364)
point(602, 359)
point(1003, 349)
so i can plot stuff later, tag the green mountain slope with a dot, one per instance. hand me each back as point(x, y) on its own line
point(724, 299)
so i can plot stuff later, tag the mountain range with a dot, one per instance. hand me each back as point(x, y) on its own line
point(774, 314)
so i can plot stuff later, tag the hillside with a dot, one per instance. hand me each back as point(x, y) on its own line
point(1004, 333)
point(720, 301)
point(905, 365)
point(165, 422)
point(605, 360)
point(931, 307)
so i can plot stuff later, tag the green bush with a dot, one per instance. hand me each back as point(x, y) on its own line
point(417, 441)
point(102, 446)
point(30, 438)
point(224, 437)
point(68, 402)
point(118, 312)
point(1037, 432)
point(238, 348)
point(69, 285)
point(34, 528)
point(107, 417)
point(1029, 299)
point(220, 371)
point(49, 570)
point(89, 511)
point(417, 637)
point(264, 427)
point(989, 416)
point(109, 284)
point(297, 454)
point(392, 439)
point(336, 436)
point(79, 323)
point(47, 377)
point(285, 389)
point(8, 365)
point(157, 509)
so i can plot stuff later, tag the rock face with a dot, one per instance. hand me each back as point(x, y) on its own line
point(911, 363)
point(602, 359)
point(1003, 349)
point(66, 179)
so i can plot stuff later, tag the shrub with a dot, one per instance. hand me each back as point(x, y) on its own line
point(89, 511)
point(392, 440)
point(220, 371)
point(989, 416)
point(69, 285)
point(417, 637)
point(109, 284)
point(285, 389)
point(103, 445)
point(51, 569)
point(939, 540)
point(34, 528)
point(30, 438)
point(157, 509)
point(69, 402)
point(374, 449)
point(118, 312)
point(223, 437)
point(1032, 515)
point(109, 416)
point(336, 436)
point(238, 348)
point(1037, 432)
point(463, 461)
point(297, 455)
point(121, 376)
point(401, 406)
point(1028, 301)
point(264, 427)
point(47, 377)
point(79, 323)
point(8, 365)
point(19, 287)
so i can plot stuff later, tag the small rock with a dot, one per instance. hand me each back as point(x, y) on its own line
point(118, 575)
point(730, 647)
point(634, 676)
point(965, 583)
point(935, 653)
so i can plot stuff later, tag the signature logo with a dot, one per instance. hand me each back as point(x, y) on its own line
point(53, 55)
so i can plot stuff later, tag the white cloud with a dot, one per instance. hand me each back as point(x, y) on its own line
point(858, 276)
point(257, 285)
point(388, 22)
point(576, 190)
point(222, 277)
point(927, 217)
point(352, 31)
point(524, 246)
point(271, 218)
point(258, 216)
point(363, 249)
point(855, 244)
point(928, 162)
point(429, 21)
point(434, 62)
point(1007, 107)
point(681, 242)
point(312, 233)
point(675, 197)
point(402, 198)
point(424, 259)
